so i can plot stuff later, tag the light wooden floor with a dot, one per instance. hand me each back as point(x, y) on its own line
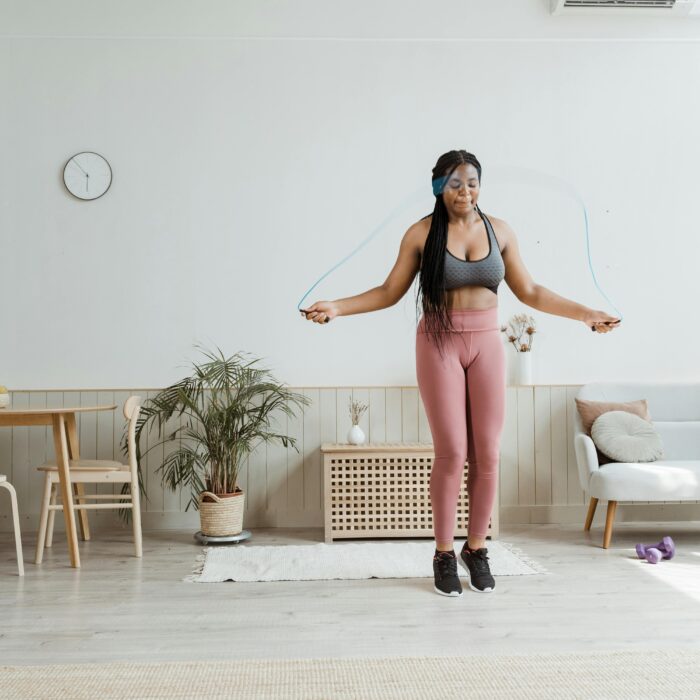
point(119, 608)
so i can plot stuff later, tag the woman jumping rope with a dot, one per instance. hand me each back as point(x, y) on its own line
point(462, 255)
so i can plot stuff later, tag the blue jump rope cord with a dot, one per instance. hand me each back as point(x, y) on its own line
point(436, 187)
point(374, 232)
point(529, 176)
point(590, 264)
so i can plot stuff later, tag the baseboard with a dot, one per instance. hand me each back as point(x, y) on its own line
point(576, 514)
point(508, 515)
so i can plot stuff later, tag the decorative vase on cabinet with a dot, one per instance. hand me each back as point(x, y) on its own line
point(356, 435)
point(523, 368)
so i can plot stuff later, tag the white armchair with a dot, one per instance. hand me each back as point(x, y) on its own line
point(675, 414)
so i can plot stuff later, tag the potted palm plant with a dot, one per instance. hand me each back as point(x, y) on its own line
point(224, 411)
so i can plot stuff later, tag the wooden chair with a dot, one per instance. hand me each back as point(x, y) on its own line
point(4, 483)
point(95, 471)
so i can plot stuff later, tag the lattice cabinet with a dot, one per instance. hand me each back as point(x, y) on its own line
point(382, 490)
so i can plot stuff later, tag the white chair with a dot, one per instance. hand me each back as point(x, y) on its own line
point(675, 415)
point(4, 483)
point(95, 471)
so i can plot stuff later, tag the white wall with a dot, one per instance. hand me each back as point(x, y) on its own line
point(254, 145)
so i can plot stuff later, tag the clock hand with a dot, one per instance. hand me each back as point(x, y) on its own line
point(75, 162)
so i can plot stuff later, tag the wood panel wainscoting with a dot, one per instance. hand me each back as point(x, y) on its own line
point(284, 488)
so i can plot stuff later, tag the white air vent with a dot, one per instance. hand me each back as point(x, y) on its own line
point(657, 8)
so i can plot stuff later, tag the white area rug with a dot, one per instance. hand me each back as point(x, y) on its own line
point(342, 560)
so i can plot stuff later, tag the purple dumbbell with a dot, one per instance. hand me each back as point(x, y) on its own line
point(653, 553)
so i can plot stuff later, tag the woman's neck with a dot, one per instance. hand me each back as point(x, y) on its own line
point(471, 217)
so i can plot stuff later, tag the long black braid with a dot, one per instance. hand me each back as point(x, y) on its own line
point(432, 273)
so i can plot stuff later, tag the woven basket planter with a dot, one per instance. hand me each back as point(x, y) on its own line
point(221, 515)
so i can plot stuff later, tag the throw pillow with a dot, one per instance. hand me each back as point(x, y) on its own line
point(590, 410)
point(625, 437)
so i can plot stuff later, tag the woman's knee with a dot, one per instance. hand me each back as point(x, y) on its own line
point(486, 461)
point(449, 461)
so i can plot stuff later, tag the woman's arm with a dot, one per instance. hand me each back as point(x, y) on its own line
point(371, 300)
point(538, 297)
point(387, 294)
point(546, 300)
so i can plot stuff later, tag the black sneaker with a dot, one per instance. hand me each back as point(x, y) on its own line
point(446, 576)
point(477, 564)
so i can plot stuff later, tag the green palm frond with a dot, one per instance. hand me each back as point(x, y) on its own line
point(225, 409)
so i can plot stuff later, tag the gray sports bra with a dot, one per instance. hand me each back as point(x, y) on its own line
point(487, 272)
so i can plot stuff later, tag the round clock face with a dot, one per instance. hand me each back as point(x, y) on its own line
point(87, 175)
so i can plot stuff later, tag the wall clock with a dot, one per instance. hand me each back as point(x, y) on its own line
point(87, 175)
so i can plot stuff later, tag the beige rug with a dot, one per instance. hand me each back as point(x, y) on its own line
point(614, 675)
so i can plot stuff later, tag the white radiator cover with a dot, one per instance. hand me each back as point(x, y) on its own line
point(382, 490)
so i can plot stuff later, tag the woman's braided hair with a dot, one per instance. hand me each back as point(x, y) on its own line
point(432, 273)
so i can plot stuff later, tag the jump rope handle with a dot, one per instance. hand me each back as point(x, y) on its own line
point(303, 311)
point(607, 323)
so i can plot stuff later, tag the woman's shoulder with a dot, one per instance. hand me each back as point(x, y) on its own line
point(503, 232)
point(418, 231)
point(495, 221)
point(421, 228)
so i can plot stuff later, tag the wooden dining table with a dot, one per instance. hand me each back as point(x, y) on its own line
point(66, 445)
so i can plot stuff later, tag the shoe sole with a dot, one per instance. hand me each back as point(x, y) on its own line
point(454, 594)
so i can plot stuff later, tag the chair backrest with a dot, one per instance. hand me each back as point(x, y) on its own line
point(132, 408)
point(674, 408)
point(130, 405)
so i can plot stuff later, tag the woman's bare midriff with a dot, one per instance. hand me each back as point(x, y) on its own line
point(469, 296)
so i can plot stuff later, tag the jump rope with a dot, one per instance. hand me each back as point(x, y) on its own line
point(515, 174)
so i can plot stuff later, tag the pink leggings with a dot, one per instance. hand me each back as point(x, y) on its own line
point(463, 393)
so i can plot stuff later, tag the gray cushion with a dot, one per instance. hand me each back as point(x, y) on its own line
point(626, 437)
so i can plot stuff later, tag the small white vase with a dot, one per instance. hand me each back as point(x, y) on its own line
point(4, 400)
point(356, 435)
point(523, 368)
